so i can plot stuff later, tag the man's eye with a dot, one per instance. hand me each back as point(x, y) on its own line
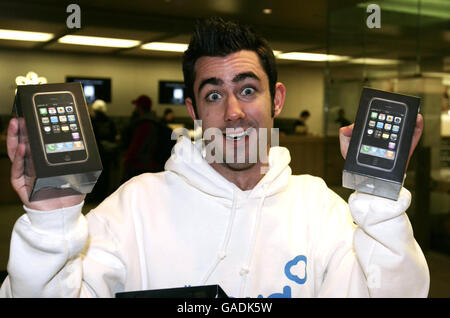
point(248, 91)
point(213, 97)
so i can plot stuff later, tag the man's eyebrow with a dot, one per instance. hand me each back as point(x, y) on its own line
point(243, 76)
point(211, 80)
point(237, 78)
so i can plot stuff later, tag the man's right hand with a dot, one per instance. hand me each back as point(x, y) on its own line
point(16, 153)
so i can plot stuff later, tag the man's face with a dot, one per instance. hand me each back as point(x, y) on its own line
point(232, 93)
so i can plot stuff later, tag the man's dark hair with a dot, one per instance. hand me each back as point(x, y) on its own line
point(218, 38)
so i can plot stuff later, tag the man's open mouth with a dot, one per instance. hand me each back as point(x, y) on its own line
point(237, 134)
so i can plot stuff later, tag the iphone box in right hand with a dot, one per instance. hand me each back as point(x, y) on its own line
point(61, 155)
point(379, 148)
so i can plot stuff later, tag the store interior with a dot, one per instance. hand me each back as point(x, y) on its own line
point(326, 52)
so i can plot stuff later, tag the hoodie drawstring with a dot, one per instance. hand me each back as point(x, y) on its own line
point(223, 251)
point(246, 268)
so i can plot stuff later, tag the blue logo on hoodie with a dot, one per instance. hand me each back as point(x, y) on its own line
point(292, 263)
point(288, 272)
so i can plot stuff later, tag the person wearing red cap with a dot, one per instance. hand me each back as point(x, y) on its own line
point(145, 152)
point(143, 103)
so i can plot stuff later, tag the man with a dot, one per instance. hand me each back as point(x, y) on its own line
point(250, 227)
point(144, 146)
point(341, 120)
point(300, 126)
point(168, 117)
point(105, 135)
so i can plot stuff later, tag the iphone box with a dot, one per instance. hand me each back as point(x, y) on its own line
point(61, 156)
point(209, 291)
point(378, 152)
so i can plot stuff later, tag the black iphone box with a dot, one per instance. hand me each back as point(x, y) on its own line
point(209, 291)
point(61, 156)
point(380, 144)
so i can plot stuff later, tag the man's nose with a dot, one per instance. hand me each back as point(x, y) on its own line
point(234, 110)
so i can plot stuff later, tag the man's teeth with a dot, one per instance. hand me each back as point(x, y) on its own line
point(237, 136)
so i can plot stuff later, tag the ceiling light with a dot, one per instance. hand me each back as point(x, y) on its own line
point(24, 35)
point(97, 41)
point(372, 61)
point(163, 46)
point(276, 53)
point(313, 57)
point(267, 11)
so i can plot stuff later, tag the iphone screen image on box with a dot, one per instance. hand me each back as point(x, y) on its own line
point(380, 141)
point(60, 129)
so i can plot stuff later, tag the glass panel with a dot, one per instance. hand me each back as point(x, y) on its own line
point(406, 54)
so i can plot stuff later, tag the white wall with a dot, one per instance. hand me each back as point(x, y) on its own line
point(304, 90)
point(132, 77)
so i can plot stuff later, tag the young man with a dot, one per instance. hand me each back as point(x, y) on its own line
point(300, 126)
point(251, 227)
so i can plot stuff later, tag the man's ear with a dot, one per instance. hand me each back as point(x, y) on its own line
point(278, 99)
point(190, 108)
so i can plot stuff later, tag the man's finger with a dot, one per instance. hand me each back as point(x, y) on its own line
point(346, 131)
point(18, 163)
point(12, 139)
point(345, 134)
point(418, 129)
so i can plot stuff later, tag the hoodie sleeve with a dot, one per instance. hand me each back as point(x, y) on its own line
point(391, 259)
point(44, 256)
point(55, 254)
point(376, 257)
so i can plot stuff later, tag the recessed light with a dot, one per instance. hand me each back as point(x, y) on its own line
point(267, 11)
point(374, 61)
point(312, 57)
point(165, 46)
point(98, 41)
point(24, 35)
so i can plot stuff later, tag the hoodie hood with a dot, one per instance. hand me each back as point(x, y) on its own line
point(188, 162)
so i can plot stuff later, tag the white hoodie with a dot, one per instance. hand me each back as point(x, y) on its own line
point(290, 236)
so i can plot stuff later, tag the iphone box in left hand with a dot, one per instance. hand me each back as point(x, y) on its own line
point(381, 140)
point(61, 155)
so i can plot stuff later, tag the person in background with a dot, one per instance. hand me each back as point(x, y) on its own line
point(300, 126)
point(341, 120)
point(168, 117)
point(150, 142)
point(128, 131)
point(142, 133)
point(106, 136)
